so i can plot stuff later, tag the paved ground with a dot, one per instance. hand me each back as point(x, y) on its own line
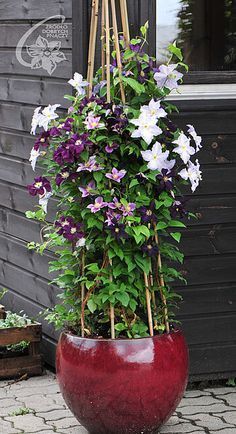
point(201, 411)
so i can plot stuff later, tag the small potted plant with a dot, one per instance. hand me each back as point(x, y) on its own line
point(20, 339)
point(117, 164)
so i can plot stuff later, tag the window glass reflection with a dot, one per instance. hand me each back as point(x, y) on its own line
point(204, 29)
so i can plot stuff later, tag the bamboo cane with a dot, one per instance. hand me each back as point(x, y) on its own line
point(148, 301)
point(82, 290)
point(103, 40)
point(117, 48)
point(92, 44)
point(108, 52)
point(153, 299)
point(162, 284)
point(112, 312)
point(125, 22)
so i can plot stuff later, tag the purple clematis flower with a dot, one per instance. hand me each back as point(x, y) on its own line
point(118, 231)
point(117, 120)
point(54, 132)
point(87, 191)
point(98, 205)
point(42, 140)
point(112, 218)
point(142, 73)
point(166, 180)
point(111, 147)
point(178, 210)
point(128, 209)
point(40, 186)
point(67, 125)
point(150, 249)
point(70, 150)
point(147, 213)
point(70, 230)
point(90, 166)
point(65, 175)
point(116, 175)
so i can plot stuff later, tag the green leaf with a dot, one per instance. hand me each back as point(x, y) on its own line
point(30, 214)
point(123, 297)
point(176, 236)
point(176, 224)
point(136, 86)
point(161, 225)
point(144, 230)
point(118, 251)
point(120, 327)
point(98, 176)
point(133, 183)
point(92, 305)
point(176, 51)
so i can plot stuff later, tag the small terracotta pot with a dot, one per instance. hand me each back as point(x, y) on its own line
point(124, 385)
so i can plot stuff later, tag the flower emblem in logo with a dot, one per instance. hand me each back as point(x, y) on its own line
point(45, 54)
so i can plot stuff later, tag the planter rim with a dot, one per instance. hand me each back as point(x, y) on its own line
point(155, 337)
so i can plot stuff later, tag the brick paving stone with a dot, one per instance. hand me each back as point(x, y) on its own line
point(42, 403)
point(220, 390)
point(55, 414)
point(209, 421)
point(231, 399)
point(7, 428)
point(28, 423)
point(230, 417)
point(202, 400)
point(181, 428)
point(196, 393)
point(214, 408)
point(66, 422)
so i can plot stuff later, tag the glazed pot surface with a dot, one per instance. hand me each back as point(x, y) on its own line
point(125, 385)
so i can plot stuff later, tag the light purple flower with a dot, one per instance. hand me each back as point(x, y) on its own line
point(116, 175)
point(192, 173)
point(98, 205)
point(128, 209)
point(87, 191)
point(184, 149)
point(157, 159)
point(90, 166)
point(168, 77)
point(110, 147)
point(115, 204)
point(92, 122)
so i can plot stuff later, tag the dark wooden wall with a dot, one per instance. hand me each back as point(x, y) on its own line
point(208, 311)
point(23, 273)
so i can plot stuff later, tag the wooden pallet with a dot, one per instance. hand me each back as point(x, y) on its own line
point(26, 364)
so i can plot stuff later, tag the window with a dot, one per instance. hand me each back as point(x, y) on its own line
point(206, 32)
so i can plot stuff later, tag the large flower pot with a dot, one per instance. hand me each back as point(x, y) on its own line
point(125, 385)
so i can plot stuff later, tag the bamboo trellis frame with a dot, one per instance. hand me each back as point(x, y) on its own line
point(109, 9)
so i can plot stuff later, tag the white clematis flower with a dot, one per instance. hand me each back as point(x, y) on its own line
point(35, 120)
point(184, 149)
point(78, 83)
point(48, 115)
point(154, 109)
point(147, 128)
point(168, 77)
point(34, 154)
point(81, 242)
point(193, 173)
point(197, 139)
point(43, 200)
point(157, 160)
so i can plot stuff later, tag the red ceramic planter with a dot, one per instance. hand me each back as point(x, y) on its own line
point(122, 386)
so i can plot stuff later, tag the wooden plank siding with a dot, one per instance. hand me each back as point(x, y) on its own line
point(208, 311)
point(22, 272)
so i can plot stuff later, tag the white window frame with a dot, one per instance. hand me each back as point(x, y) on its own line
point(201, 91)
